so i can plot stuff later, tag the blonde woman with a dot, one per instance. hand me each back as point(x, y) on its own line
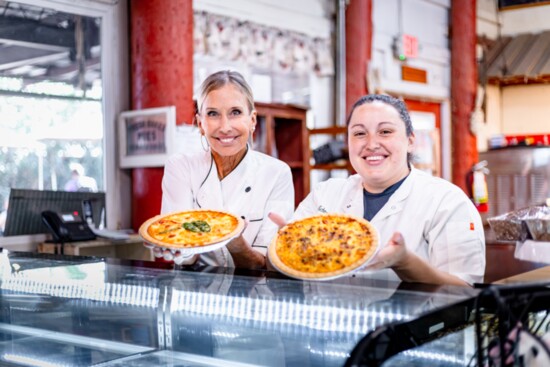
point(228, 175)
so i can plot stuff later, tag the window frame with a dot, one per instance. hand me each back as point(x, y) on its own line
point(115, 99)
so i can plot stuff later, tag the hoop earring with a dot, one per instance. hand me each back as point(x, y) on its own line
point(251, 138)
point(202, 143)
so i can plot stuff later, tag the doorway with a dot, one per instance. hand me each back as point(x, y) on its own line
point(426, 120)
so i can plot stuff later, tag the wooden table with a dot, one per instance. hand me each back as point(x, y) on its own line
point(131, 248)
point(537, 275)
point(502, 264)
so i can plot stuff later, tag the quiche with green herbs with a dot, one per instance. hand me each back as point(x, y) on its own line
point(192, 228)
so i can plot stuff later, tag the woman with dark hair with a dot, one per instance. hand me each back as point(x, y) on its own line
point(228, 175)
point(431, 231)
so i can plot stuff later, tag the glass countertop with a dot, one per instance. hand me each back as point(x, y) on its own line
point(92, 311)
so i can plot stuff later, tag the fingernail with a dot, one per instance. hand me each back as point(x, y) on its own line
point(167, 255)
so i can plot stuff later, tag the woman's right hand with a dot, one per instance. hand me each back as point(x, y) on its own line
point(171, 255)
point(393, 254)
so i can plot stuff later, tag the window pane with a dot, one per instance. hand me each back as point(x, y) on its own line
point(51, 115)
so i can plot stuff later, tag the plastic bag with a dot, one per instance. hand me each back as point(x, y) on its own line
point(519, 225)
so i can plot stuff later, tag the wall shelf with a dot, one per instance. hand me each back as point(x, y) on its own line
point(332, 166)
point(282, 133)
point(333, 131)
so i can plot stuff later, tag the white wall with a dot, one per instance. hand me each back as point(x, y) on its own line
point(493, 117)
point(533, 19)
point(311, 17)
point(487, 18)
point(515, 110)
point(428, 22)
point(526, 109)
point(314, 18)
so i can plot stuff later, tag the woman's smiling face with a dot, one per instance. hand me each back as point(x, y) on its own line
point(378, 145)
point(226, 120)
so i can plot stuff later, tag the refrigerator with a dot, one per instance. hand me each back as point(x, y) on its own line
point(519, 177)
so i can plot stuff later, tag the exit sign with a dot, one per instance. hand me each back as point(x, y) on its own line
point(405, 47)
point(410, 46)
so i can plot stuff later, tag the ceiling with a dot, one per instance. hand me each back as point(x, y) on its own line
point(38, 44)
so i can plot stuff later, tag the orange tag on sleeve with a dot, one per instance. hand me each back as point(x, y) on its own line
point(472, 226)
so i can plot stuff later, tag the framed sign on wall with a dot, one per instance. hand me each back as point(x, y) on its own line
point(146, 137)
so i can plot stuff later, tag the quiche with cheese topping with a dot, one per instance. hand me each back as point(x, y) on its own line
point(324, 246)
point(192, 228)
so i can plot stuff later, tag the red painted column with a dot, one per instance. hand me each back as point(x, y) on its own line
point(463, 88)
point(358, 49)
point(161, 39)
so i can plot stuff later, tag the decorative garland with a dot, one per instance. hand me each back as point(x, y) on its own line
point(260, 46)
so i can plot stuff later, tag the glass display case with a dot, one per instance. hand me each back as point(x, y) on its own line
point(511, 327)
point(77, 311)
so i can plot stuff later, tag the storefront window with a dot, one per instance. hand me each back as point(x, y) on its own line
point(51, 110)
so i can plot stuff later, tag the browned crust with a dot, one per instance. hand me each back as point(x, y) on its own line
point(276, 261)
point(144, 230)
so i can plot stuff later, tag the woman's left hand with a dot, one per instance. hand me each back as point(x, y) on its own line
point(394, 253)
point(243, 255)
point(408, 266)
point(238, 243)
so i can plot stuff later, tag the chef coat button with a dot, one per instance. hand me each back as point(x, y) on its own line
point(248, 188)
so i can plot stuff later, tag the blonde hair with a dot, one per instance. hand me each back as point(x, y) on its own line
point(221, 78)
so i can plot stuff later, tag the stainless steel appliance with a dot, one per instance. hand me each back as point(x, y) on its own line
point(519, 177)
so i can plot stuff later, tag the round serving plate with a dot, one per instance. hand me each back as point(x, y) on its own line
point(187, 249)
point(346, 271)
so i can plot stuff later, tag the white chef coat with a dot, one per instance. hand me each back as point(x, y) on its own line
point(438, 221)
point(258, 185)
